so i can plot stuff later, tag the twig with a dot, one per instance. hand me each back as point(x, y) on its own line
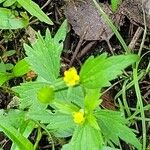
point(86, 49)
point(46, 4)
point(135, 38)
point(78, 47)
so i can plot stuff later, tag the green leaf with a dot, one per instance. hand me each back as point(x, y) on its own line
point(92, 99)
point(76, 96)
point(14, 117)
point(15, 136)
point(1, 1)
point(21, 68)
point(9, 53)
point(9, 66)
point(61, 33)
point(115, 4)
point(61, 125)
point(92, 121)
point(10, 21)
point(86, 137)
point(97, 72)
point(28, 95)
point(35, 10)
point(5, 67)
point(67, 146)
point(65, 107)
point(25, 129)
point(44, 56)
point(9, 124)
point(9, 3)
point(109, 148)
point(2, 67)
point(4, 77)
point(113, 127)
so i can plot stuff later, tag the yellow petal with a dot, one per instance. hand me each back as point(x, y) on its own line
point(78, 117)
point(71, 77)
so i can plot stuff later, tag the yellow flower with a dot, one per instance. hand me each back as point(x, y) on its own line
point(78, 117)
point(71, 77)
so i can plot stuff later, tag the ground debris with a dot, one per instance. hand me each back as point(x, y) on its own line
point(133, 9)
point(85, 19)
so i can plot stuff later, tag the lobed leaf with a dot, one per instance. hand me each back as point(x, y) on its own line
point(28, 95)
point(86, 137)
point(44, 55)
point(76, 96)
point(92, 100)
point(61, 125)
point(98, 72)
point(113, 127)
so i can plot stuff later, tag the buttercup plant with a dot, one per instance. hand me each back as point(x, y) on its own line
point(73, 98)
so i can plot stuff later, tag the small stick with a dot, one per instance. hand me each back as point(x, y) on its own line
point(86, 49)
point(135, 38)
point(77, 48)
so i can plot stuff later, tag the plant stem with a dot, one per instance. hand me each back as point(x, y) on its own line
point(39, 135)
point(137, 88)
point(140, 102)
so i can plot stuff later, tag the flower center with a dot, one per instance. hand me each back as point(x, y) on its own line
point(78, 117)
point(71, 77)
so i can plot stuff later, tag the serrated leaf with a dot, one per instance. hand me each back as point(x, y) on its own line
point(21, 68)
point(61, 33)
point(65, 107)
point(86, 137)
point(113, 128)
point(28, 95)
point(14, 117)
point(76, 96)
point(35, 10)
point(98, 72)
point(44, 56)
point(92, 100)
point(10, 21)
point(61, 125)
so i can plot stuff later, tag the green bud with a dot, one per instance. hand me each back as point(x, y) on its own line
point(46, 95)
